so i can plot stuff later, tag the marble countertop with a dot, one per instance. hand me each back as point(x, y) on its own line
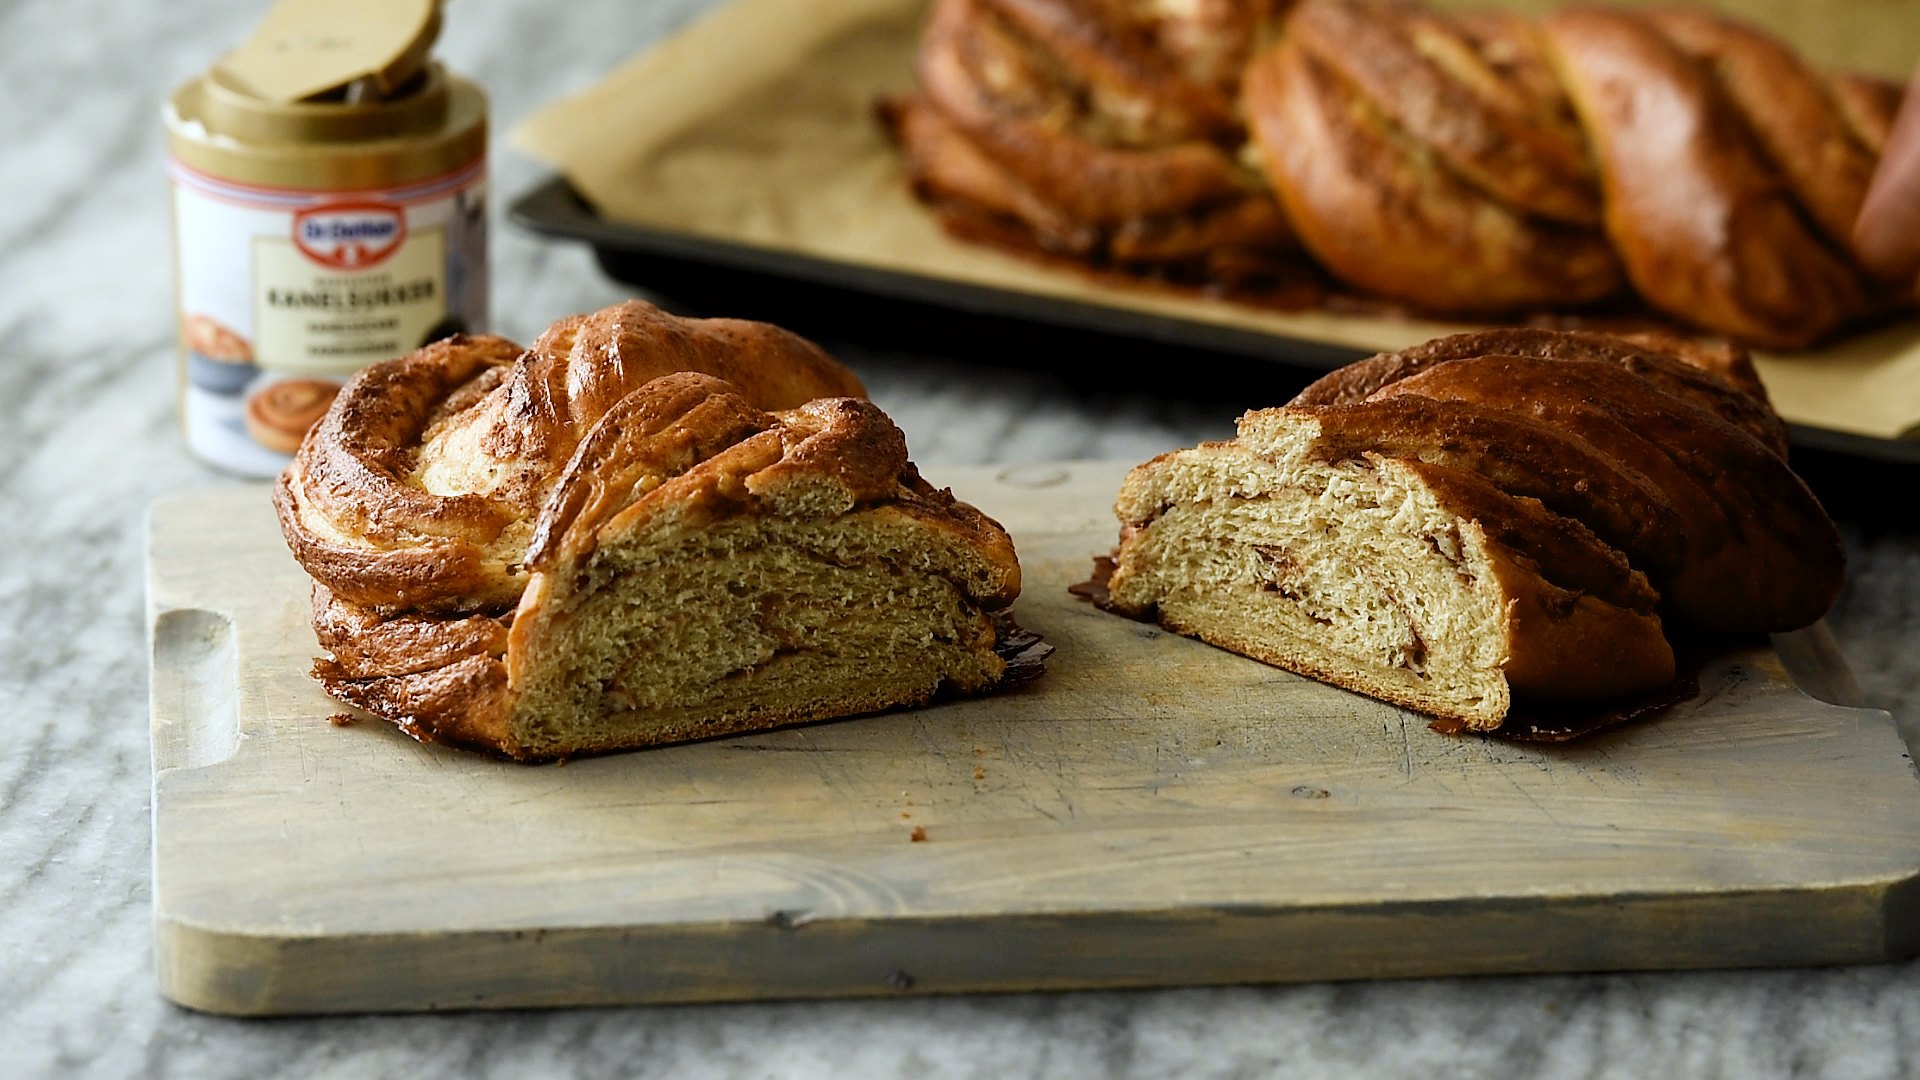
point(88, 440)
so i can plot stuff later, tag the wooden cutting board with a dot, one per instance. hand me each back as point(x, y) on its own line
point(1152, 811)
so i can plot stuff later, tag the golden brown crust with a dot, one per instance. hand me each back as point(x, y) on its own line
point(1731, 363)
point(583, 365)
point(461, 704)
point(1510, 136)
point(1250, 223)
point(1207, 40)
point(1429, 159)
point(680, 422)
point(1703, 225)
point(1101, 130)
point(1568, 645)
point(944, 163)
point(418, 489)
point(1789, 107)
point(1106, 51)
point(1008, 93)
point(428, 628)
point(355, 462)
point(1369, 203)
point(1719, 379)
point(690, 446)
point(365, 643)
point(959, 177)
point(441, 679)
point(1868, 104)
point(354, 521)
point(1558, 549)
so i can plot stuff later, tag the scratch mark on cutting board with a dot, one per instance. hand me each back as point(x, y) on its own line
point(1528, 795)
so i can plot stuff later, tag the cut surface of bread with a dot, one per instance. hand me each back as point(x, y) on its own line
point(1366, 573)
point(1501, 516)
point(670, 631)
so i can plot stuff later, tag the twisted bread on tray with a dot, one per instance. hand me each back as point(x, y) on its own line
point(1417, 168)
point(1100, 130)
point(1510, 513)
point(1478, 164)
point(642, 529)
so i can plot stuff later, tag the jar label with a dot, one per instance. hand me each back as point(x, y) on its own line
point(312, 319)
point(284, 294)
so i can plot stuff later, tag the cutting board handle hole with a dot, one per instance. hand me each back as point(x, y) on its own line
point(196, 709)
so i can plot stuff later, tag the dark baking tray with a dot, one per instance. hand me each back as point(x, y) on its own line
point(889, 309)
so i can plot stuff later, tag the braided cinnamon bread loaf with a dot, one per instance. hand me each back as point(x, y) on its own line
point(1430, 159)
point(598, 543)
point(1481, 163)
point(1102, 129)
point(1716, 146)
point(1478, 163)
point(1513, 512)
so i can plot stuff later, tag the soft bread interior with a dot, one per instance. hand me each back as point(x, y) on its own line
point(1351, 572)
point(679, 632)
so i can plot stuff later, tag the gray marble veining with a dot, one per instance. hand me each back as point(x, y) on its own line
point(87, 440)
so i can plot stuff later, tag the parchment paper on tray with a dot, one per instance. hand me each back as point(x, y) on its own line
point(756, 126)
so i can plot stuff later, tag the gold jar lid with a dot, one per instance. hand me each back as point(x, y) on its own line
point(373, 111)
point(309, 49)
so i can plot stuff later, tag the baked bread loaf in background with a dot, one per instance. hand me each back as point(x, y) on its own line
point(643, 529)
point(1479, 163)
point(1101, 131)
point(1513, 512)
point(1430, 159)
point(1716, 148)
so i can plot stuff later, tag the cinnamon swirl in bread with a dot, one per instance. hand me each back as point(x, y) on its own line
point(1518, 512)
point(642, 529)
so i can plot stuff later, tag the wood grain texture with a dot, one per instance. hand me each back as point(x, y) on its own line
point(1153, 811)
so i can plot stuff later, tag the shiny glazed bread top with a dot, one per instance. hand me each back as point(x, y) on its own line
point(423, 487)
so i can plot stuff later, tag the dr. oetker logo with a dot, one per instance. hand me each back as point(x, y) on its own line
point(350, 236)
